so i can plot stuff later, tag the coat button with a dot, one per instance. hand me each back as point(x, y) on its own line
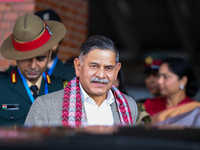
point(11, 117)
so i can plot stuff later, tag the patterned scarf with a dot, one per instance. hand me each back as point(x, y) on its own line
point(73, 113)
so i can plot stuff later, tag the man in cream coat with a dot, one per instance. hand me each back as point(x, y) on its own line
point(90, 98)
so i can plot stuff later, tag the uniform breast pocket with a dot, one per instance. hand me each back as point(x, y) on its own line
point(11, 112)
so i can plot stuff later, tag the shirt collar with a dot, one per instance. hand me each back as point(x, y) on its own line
point(38, 83)
point(109, 99)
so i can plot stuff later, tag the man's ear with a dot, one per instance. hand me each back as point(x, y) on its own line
point(117, 70)
point(77, 65)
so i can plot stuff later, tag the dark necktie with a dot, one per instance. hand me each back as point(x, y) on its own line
point(34, 88)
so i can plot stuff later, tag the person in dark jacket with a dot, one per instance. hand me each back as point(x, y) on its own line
point(61, 70)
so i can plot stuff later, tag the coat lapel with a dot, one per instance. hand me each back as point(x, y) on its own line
point(115, 113)
point(20, 89)
point(42, 87)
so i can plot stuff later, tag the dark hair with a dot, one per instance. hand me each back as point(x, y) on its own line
point(121, 78)
point(149, 70)
point(98, 42)
point(182, 68)
point(48, 14)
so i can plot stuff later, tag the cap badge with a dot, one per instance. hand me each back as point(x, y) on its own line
point(149, 60)
point(46, 16)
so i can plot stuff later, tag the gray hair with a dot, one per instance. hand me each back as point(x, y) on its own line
point(98, 42)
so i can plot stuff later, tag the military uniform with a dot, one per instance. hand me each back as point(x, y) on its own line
point(63, 72)
point(14, 100)
point(30, 45)
point(152, 62)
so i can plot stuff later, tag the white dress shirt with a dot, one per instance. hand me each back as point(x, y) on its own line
point(98, 115)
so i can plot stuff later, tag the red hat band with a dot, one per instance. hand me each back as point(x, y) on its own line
point(150, 62)
point(38, 42)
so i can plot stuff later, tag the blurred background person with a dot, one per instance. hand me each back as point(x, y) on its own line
point(71, 61)
point(152, 62)
point(151, 75)
point(177, 84)
point(120, 82)
point(61, 70)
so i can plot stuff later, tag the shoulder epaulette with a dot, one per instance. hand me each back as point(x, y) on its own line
point(13, 76)
point(48, 78)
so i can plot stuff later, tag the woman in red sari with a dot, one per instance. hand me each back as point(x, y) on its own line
point(177, 83)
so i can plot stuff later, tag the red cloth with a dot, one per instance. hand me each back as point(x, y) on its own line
point(72, 114)
point(157, 104)
point(39, 41)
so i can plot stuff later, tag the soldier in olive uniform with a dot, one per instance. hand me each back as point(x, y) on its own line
point(152, 63)
point(30, 45)
point(56, 68)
